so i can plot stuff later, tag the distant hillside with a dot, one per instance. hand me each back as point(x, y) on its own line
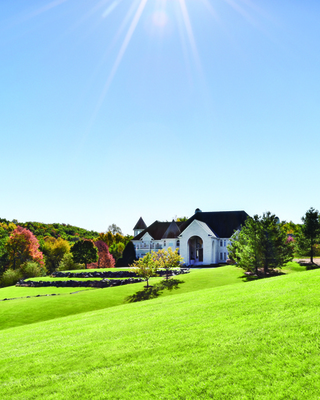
point(41, 230)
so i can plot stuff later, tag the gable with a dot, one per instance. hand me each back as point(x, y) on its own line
point(147, 237)
point(198, 228)
point(156, 230)
point(221, 223)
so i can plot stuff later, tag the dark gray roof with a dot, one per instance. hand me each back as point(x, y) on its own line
point(222, 223)
point(140, 224)
point(173, 231)
point(157, 230)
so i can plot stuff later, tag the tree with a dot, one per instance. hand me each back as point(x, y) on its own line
point(128, 256)
point(245, 248)
point(84, 252)
point(182, 219)
point(115, 242)
point(54, 250)
point(113, 228)
point(310, 231)
point(23, 246)
point(168, 260)
point(145, 267)
point(261, 244)
point(67, 263)
point(116, 250)
point(105, 258)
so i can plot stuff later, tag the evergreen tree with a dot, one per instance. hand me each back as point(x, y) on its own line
point(310, 231)
point(261, 244)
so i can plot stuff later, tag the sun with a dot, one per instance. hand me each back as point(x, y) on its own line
point(159, 20)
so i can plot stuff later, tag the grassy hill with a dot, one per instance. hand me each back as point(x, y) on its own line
point(253, 340)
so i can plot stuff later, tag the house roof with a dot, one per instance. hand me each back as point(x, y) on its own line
point(222, 223)
point(173, 231)
point(140, 224)
point(157, 230)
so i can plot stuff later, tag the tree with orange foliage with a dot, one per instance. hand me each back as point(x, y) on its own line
point(23, 246)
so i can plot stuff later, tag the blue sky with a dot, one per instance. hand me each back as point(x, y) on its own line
point(112, 110)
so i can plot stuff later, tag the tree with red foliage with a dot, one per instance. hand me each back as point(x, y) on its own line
point(23, 246)
point(105, 258)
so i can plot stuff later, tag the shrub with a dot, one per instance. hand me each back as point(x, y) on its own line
point(10, 277)
point(67, 263)
point(32, 269)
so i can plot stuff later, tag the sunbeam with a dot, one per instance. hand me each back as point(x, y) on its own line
point(122, 50)
point(190, 34)
point(47, 7)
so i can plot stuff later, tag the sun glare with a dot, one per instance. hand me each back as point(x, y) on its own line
point(160, 18)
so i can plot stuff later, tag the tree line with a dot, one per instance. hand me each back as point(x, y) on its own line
point(23, 254)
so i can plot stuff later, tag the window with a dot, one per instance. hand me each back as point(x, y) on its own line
point(225, 243)
point(224, 256)
point(220, 243)
point(164, 243)
point(178, 243)
point(220, 256)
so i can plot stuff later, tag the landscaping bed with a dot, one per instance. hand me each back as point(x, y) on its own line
point(72, 283)
point(111, 274)
point(126, 278)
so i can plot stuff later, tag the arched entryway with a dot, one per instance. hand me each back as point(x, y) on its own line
point(195, 247)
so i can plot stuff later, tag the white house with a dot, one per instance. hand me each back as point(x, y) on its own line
point(201, 240)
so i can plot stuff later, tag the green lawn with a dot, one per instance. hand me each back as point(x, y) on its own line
point(24, 311)
point(254, 340)
point(14, 292)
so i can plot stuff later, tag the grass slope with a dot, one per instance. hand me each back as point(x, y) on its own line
point(26, 311)
point(258, 340)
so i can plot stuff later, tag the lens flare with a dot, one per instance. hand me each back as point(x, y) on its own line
point(160, 19)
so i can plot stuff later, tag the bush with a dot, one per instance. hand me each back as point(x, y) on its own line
point(10, 277)
point(67, 263)
point(32, 269)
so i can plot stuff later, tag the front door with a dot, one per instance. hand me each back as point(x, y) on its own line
point(200, 255)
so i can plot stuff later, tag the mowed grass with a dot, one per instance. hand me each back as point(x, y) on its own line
point(13, 292)
point(257, 340)
point(31, 310)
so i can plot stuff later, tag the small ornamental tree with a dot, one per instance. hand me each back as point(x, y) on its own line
point(84, 252)
point(23, 246)
point(145, 267)
point(105, 258)
point(168, 260)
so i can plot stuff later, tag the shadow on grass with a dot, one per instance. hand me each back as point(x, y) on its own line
point(154, 291)
point(308, 264)
point(250, 276)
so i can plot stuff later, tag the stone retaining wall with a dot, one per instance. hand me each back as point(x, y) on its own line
point(112, 274)
point(103, 283)
point(72, 283)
